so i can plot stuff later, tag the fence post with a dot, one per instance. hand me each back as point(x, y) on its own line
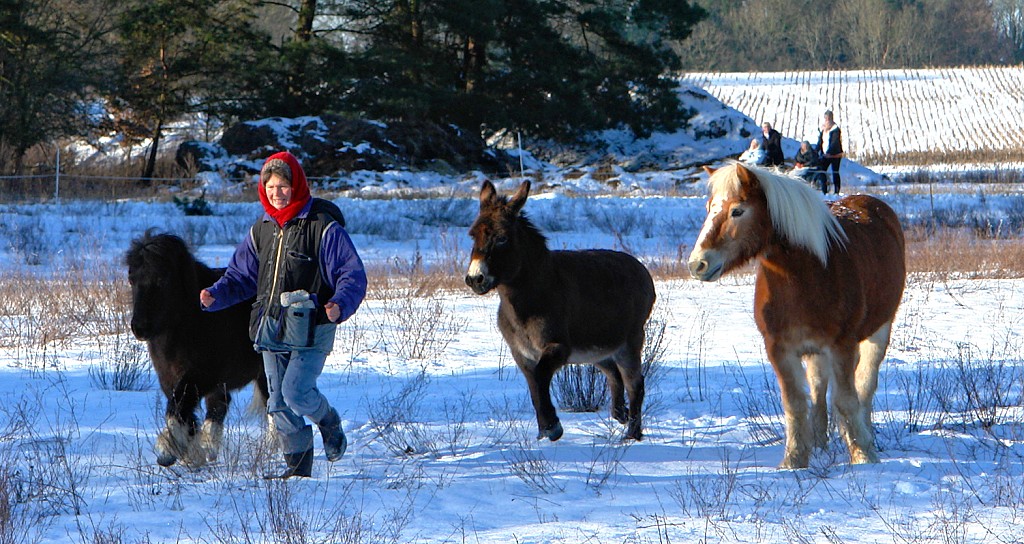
point(56, 179)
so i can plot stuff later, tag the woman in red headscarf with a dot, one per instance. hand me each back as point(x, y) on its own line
point(298, 253)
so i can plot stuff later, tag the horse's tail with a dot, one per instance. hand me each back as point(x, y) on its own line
point(258, 405)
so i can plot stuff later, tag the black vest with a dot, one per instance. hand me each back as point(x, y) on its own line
point(289, 258)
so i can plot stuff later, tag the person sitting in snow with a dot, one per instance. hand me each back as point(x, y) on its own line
point(806, 164)
point(754, 154)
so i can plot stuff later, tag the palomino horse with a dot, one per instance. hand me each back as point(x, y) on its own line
point(197, 355)
point(827, 288)
point(560, 307)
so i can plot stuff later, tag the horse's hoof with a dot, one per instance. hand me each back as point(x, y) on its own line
point(552, 433)
point(793, 464)
point(863, 457)
point(622, 416)
point(165, 459)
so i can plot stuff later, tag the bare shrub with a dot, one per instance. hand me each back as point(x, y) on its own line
point(621, 222)
point(943, 254)
point(584, 388)
point(920, 405)
point(396, 419)
point(981, 392)
point(606, 454)
point(708, 496)
point(528, 463)
point(416, 325)
point(44, 471)
point(695, 370)
point(580, 388)
point(37, 311)
point(28, 239)
point(761, 407)
point(22, 521)
point(278, 512)
point(124, 366)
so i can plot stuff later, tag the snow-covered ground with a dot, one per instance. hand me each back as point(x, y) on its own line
point(81, 455)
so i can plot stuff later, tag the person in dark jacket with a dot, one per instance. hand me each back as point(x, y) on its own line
point(806, 165)
point(298, 247)
point(830, 143)
point(771, 142)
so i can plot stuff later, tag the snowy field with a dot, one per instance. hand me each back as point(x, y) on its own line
point(439, 419)
point(967, 113)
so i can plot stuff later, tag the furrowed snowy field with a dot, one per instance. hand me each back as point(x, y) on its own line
point(970, 114)
point(439, 420)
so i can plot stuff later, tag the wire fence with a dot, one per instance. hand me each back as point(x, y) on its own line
point(54, 187)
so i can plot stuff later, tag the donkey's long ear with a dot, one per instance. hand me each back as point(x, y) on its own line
point(487, 193)
point(519, 199)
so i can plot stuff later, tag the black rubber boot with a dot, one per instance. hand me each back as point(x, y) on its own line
point(335, 442)
point(299, 464)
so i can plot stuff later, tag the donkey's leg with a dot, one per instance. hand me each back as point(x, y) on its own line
point(850, 410)
point(538, 377)
point(872, 352)
point(630, 364)
point(217, 402)
point(819, 370)
point(615, 389)
point(790, 374)
point(175, 441)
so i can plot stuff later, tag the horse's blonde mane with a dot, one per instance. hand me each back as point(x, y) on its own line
point(798, 213)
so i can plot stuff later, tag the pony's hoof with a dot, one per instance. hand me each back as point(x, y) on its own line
point(638, 436)
point(634, 430)
point(552, 433)
point(621, 415)
point(165, 459)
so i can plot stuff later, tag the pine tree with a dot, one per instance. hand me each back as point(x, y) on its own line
point(51, 62)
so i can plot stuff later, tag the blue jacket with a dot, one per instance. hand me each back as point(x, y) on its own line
point(340, 268)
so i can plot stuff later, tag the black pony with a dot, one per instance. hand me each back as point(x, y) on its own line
point(561, 307)
point(195, 354)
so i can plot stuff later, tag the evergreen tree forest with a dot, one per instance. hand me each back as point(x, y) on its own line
point(557, 69)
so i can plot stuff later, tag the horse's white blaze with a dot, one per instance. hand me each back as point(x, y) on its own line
point(716, 206)
point(477, 267)
point(699, 253)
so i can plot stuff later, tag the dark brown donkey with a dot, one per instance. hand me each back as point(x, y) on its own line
point(560, 307)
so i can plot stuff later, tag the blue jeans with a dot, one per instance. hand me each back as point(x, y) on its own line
point(291, 378)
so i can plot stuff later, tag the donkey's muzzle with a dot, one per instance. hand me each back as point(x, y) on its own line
point(480, 284)
point(477, 277)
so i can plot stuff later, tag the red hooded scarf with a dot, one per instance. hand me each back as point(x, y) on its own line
point(300, 190)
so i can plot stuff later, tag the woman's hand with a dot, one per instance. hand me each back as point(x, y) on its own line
point(333, 311)
point(206, 299)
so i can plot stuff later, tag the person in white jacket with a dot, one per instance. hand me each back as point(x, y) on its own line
point(754, 154)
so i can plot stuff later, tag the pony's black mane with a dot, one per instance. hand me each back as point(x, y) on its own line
point(164, 253)
point(150, 245)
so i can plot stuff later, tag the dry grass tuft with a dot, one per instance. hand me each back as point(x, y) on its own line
point(959, 254)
